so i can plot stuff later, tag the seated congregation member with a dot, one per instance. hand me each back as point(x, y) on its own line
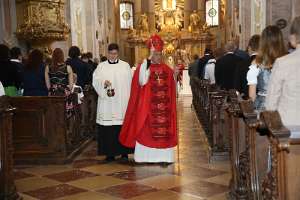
point(8, 72)
point(150, 122)
point(78, 66)
point(16, 58)
point(59, 76)
point(34, 75)
point(243, 67)
point(203, 61)
point(210, 66)
point(284, 87)
point(2, 92)
point(112, 81)
point(226, 67)
point(271, 47)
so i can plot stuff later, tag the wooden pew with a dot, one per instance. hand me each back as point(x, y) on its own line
point(265, 160)
point(89, 111)
point(44, 133)
point(210, 106)
point(7, 186)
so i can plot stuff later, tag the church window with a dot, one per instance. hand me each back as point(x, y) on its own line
point(126, 15)
point(212, 12)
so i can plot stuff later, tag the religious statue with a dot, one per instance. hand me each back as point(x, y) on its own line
point(131, 32)
point(160, 22)
point(178, 15)
point(205, 27)
point(195, 22)
point(142, 24)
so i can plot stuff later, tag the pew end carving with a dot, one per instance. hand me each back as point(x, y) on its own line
point(7, 186)
point(45, 133)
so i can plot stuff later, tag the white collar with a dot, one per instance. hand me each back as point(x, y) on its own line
point(113, 62)
point(15, 60)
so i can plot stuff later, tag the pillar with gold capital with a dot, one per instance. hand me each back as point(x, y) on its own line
point(187, 13)
point(151, 15)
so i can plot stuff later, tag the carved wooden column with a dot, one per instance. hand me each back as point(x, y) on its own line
point(7, 186)
point(248, 177)
point(238, 189)
point(274, 185)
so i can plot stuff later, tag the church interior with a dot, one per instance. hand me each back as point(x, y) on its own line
point(235, 65)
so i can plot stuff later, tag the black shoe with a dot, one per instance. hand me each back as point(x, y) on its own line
point(124, 159)
point(165, 164)
point(110, 159)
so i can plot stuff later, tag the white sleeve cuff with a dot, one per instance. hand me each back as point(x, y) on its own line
point(144, 73)
point(252, 75)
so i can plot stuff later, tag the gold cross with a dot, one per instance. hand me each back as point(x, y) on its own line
point(157, 77)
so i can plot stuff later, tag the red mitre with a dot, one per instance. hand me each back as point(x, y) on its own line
point(155, 43)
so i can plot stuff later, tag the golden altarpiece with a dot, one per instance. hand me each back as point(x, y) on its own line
point(181, 40)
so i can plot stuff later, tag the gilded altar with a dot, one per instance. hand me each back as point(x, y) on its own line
point(41, 22)
point(182, 40)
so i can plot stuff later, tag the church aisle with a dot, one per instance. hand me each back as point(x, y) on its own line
point(193, 178)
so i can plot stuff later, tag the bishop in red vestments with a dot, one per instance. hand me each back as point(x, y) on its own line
point(150, 120)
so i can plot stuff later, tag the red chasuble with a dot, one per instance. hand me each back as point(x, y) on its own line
point(151, 113)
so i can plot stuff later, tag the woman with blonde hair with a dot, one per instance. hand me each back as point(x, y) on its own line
point(271, 47)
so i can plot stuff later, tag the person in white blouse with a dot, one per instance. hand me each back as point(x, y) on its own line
point(271, 47)
point(210, 66)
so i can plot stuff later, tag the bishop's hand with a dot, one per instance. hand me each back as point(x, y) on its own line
point(107, 84)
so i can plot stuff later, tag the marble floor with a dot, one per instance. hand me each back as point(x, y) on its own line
point(192, 177)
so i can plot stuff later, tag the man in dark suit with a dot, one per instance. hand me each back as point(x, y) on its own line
point(79, 67)
point(16, 58)
point(203, 61)
point(226, 67)
point(90, 61)
point(243, 67)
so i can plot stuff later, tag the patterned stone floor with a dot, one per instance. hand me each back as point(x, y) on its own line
point(190, 178)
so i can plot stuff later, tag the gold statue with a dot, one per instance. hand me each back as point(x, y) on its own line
point(195, 21)
point(160, 22)
point(142, 24)
point(178, 15)
point(131, 32)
